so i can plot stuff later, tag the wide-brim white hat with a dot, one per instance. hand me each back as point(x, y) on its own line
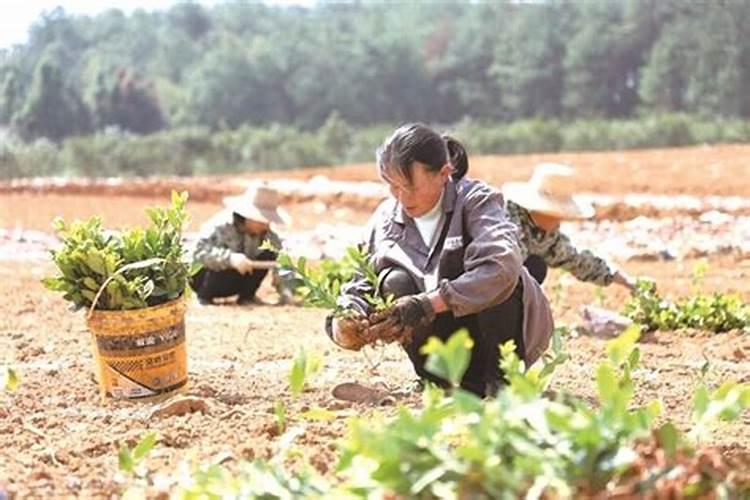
point(548, 192)
point(259, 203)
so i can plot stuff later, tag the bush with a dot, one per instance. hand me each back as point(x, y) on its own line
point(191, 151)
point(40, 158)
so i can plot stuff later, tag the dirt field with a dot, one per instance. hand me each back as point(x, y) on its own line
point(57, 438)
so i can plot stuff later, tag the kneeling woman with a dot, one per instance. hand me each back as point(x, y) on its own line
point(444, 247)
point(230, 248)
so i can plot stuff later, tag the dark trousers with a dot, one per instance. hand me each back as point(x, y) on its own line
point(209, 285)
point(537, 267)
point(488, 329)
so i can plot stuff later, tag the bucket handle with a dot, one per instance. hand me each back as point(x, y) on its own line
point(127, 267)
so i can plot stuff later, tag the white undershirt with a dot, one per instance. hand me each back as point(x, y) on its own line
point(428, 226)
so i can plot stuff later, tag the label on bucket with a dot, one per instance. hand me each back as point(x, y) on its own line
point(136, 377)
point(145, 364)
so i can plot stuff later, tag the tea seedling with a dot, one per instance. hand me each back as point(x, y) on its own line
point(9, 379)
point(130, 460)
point(303, 367)
point(320, 286)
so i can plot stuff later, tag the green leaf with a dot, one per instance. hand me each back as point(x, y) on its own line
point(620, 348)
point(428, 478)
point(55, 284)
point(550, 366)
point(146, 258)
point(606, 382)
point(90, 284)
point(298, 373)
point(9, 379)
point(314, 364)
point(125, 459)
point(669, 438)
point(58, 224)
point(700, 401)
point(144, 446)
point(195, 268)
point(96, 262)
point(280, 411)
point(318, 414)
point(449, 360)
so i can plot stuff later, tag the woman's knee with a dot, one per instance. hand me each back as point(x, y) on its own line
point(397, 282)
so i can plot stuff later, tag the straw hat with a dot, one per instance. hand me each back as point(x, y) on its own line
point(547, 192)
point(259, 203)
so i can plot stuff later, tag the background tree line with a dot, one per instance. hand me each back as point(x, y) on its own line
point(322, 74)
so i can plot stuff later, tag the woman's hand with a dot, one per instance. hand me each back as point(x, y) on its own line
point(625, 280)
point(240, 263)
point(399, 321)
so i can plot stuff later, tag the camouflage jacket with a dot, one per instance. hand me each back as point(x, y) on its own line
point(220, 238)
point(557, 250)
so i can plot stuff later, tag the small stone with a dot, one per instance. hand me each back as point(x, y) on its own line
point(180, 406)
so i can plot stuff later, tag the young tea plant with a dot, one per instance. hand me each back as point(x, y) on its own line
point(132, 466)
point(8, 378)
point(303, 367)
point(725, 403)
point(130, 460)
point(279, 411)
point(698, 274)
point(718, 312)
point(320, 286)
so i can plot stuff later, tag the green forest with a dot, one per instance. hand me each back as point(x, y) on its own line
point(240, 85)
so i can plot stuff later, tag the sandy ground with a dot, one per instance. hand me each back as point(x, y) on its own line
point(57, 438)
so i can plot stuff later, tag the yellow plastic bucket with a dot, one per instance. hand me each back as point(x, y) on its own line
point(141, 353)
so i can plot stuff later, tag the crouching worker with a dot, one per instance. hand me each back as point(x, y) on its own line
point(538, 207)
point(231, 248)
point(443, 246)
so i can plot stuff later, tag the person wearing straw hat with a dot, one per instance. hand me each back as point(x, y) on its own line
point(231, 248)
point(538, 207)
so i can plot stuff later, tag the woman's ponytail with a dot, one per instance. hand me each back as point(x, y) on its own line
point(457, 156)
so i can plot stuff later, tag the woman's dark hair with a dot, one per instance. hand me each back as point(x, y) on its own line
point(418, 142)
point(458, 157)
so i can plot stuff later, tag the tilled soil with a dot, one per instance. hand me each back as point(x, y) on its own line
point(59, 439)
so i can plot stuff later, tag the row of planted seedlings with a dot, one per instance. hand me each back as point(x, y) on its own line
point(523, 443)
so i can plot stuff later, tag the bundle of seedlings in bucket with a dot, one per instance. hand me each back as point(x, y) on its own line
point(133, 284)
